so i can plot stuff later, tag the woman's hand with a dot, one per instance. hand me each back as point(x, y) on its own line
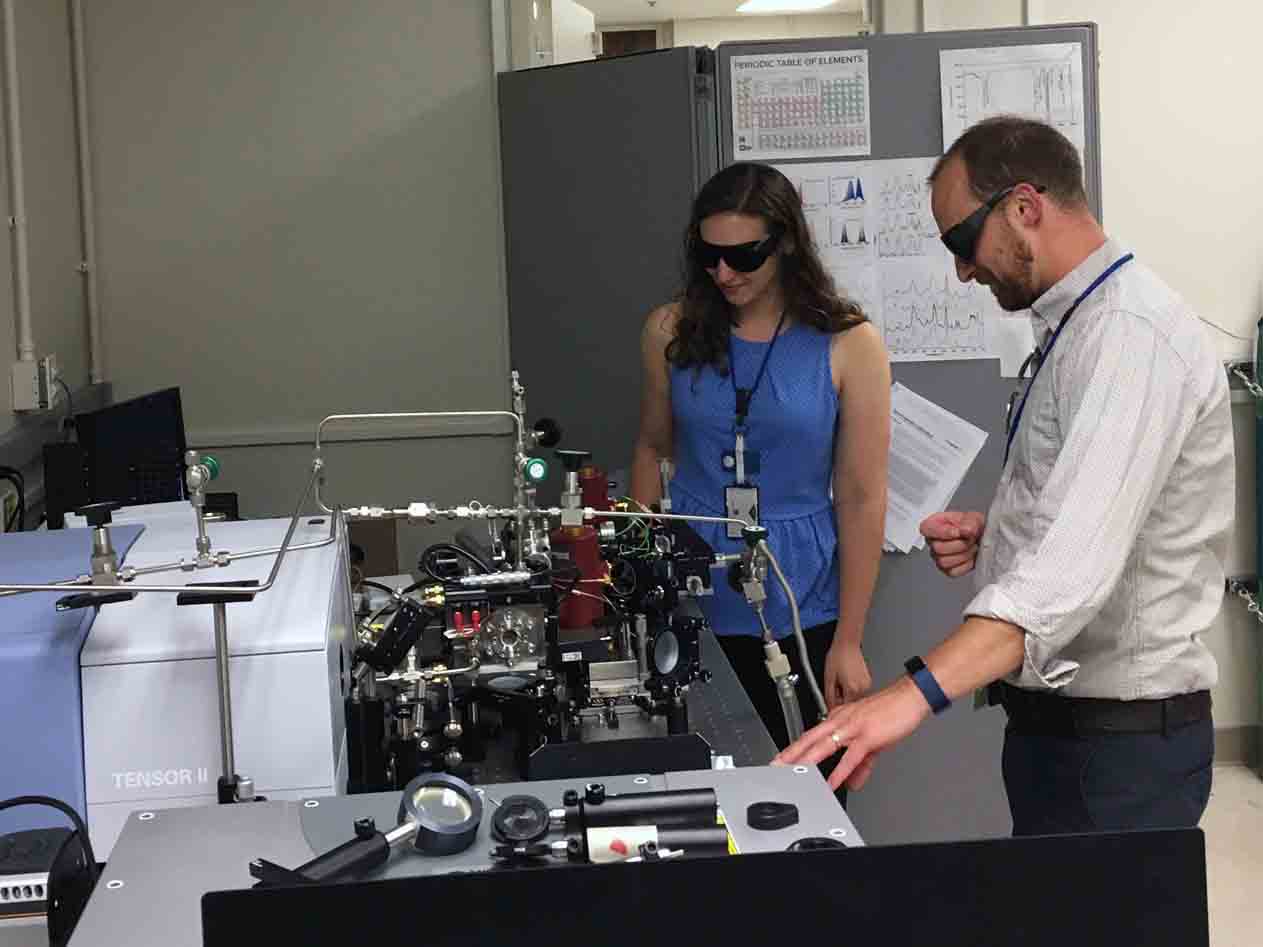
point(846, 676)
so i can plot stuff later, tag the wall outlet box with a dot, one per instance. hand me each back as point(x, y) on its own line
point(8, 503)
point(35, 384)
point(25, 386)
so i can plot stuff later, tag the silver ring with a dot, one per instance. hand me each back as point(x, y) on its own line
point(837, 740)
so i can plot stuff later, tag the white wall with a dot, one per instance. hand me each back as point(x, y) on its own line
point(299, 214)
point(574, 29)
point(971, 14)
point(531, 32)
point(58, 316)
point(1180, 160)
point(716, 30)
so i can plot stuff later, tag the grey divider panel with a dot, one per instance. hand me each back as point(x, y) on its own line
point(600, 164)
point(944, 782)
point(906, 104)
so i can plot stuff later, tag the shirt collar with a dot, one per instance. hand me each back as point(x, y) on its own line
point(1048, 309)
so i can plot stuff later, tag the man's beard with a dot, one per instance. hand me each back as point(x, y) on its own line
point(1016, 292)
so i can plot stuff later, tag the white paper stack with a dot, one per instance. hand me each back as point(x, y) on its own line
point(931, 450)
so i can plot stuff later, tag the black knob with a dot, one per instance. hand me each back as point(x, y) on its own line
point(753, 535)
point(594, 794)
point(365, 828)
point(573, 460)
point(570, 798)
point(547, 432)
point(98, 514)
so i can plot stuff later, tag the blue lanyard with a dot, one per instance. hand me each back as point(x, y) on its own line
point(1043, 356)
point(744, 396)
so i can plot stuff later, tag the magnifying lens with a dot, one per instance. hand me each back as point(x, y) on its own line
point(446, 811)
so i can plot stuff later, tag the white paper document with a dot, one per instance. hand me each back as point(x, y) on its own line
point(1044, 82)
point(872, 225)
point(800, 105)
point(931, 450)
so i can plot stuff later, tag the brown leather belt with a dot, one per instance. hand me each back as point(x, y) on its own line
point(1041, 713)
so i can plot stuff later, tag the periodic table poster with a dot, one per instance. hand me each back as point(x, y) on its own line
point(801, 105)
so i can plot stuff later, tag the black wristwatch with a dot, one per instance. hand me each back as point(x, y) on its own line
point(927, 684)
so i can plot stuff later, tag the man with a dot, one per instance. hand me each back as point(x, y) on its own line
point(1100, 563)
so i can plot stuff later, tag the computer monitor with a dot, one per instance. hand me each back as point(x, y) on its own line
point(132, 452)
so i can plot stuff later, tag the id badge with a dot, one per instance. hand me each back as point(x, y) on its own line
point(742, 503)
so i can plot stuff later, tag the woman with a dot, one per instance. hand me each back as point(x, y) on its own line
point(760, 344)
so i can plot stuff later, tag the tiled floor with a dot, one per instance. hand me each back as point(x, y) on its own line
point(1234, 857)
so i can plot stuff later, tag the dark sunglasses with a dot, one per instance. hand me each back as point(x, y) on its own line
point(962, 238)
point(742, 257)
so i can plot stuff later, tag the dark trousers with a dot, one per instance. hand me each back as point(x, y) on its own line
point(745, 654)
point(1108, 782)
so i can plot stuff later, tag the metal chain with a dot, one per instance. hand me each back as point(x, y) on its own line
point(1251, 385)
point(1251, 603)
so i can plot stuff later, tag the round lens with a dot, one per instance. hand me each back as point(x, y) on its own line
point(666, 652)
point(443, 805)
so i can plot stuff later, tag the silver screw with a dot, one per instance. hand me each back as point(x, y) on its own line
point(838, 833)
point(310, 804)
point(145, 817)
point(641, 780)
point(114, 885)
point(800, 770)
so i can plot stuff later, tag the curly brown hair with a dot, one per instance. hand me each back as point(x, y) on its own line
point(706, 318)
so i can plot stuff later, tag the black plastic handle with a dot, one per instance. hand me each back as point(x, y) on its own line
point(98, 514)
point(90, 599)
point(215, 598)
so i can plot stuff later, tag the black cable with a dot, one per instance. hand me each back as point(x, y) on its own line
point(67, 421)
point(376, 585)
point(68, 812)
point(14, 476)
point(426, 565)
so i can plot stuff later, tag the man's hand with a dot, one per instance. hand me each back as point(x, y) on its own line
point(846, 676)
point(954, 540)
point(865, 727)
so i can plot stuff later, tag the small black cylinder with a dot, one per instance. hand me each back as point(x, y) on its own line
point(677, 807)
point(712, 840)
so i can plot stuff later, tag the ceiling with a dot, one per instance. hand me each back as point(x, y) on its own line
point(639, 11)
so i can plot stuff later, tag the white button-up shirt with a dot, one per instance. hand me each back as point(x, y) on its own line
point(1107, 537)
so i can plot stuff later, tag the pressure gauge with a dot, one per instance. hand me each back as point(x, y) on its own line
point(535, 469)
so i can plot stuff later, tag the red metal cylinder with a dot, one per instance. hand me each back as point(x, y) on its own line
point(595, 486)
point(578, 545)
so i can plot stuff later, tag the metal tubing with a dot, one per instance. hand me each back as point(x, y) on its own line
point(798, 631)
point(225, 691)
point(282, 550)
point(87, 204)
point(413, 415)
point(17, 187)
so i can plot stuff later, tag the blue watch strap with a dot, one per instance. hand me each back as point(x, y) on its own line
point(928, 685)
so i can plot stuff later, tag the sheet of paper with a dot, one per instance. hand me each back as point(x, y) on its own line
point(931, 450)
point(1043, 82)
point(1012, 339)
point(800, 105)
point(872, 225)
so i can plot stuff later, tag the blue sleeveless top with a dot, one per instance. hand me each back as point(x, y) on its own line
point(791, 425)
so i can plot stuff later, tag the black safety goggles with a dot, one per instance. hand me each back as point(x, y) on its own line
point(742, 257)
point(962, 238)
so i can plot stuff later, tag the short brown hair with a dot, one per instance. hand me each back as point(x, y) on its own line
point(1006, 150)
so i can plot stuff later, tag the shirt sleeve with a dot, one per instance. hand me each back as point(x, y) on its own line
point(1123, 406)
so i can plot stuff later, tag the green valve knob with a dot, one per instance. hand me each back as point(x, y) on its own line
point(535, 469)
point(212, 466)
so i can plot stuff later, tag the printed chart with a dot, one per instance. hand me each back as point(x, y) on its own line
point(800, 105)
